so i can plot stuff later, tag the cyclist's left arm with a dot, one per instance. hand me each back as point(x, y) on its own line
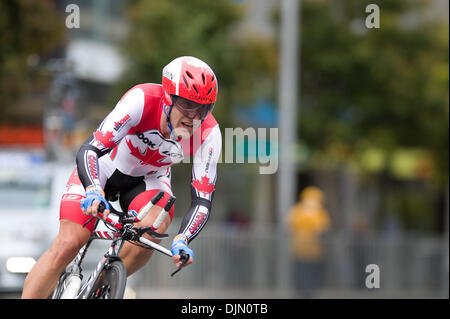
point(204, 174)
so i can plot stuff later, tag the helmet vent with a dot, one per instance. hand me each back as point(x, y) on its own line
point(195, 89)
point(203, 78)
point(185, 82)
point(189, 75)
point(209, 91)
point(212, 78)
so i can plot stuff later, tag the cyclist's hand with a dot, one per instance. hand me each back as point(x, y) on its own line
point(94, 197)
point(180, 243)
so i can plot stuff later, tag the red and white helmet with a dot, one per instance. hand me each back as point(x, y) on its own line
point(191, 79)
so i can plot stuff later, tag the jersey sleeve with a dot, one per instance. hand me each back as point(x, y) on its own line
point(204, 176)
point(125, 115)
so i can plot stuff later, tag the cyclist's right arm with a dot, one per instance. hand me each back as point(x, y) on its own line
point(125, 115)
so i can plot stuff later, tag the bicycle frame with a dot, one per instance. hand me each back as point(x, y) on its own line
point(121, 231)
point(112, 254)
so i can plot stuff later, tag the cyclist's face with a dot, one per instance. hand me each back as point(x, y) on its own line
point(187, 115)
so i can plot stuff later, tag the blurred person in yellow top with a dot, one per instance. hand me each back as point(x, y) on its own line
point(307, 221)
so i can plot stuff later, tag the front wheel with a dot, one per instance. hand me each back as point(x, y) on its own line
point(110, 283)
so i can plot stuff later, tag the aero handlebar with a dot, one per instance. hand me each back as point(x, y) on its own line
point(129, 218)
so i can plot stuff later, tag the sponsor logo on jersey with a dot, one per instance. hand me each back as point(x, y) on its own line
point(210, 153)
point(92, 166)
point(118, 125)
point(198, 220)
point(159, 151)
point(145, 139)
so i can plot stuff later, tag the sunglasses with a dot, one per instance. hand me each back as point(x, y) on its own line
point(191, 109)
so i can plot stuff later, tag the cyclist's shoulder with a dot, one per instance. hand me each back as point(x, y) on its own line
point(144, 96)
point(150, 89)
point(207, 136)
point(210, 122)
point(210, 129)
point(210, 133)
point(145, 92)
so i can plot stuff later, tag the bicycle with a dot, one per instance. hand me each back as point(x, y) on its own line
point(108, 280)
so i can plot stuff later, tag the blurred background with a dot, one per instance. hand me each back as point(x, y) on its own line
point(363, 140)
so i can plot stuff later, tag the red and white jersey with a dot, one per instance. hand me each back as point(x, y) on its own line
point(128, 146)
point(132, 137)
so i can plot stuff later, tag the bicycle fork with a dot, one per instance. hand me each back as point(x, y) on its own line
point(111, 255)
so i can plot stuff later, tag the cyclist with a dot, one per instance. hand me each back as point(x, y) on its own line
point(150, 129)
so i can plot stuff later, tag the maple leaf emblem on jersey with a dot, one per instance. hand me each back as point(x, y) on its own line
point(148, 157)
point(203, 185)
point(105, 139)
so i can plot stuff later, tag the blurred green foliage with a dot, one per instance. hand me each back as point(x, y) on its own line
point(29, 29)
point(163, 30)
point(373, 89)
point(363, 91)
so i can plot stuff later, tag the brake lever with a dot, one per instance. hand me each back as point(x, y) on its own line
point(184, 259)
point(101, 208)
